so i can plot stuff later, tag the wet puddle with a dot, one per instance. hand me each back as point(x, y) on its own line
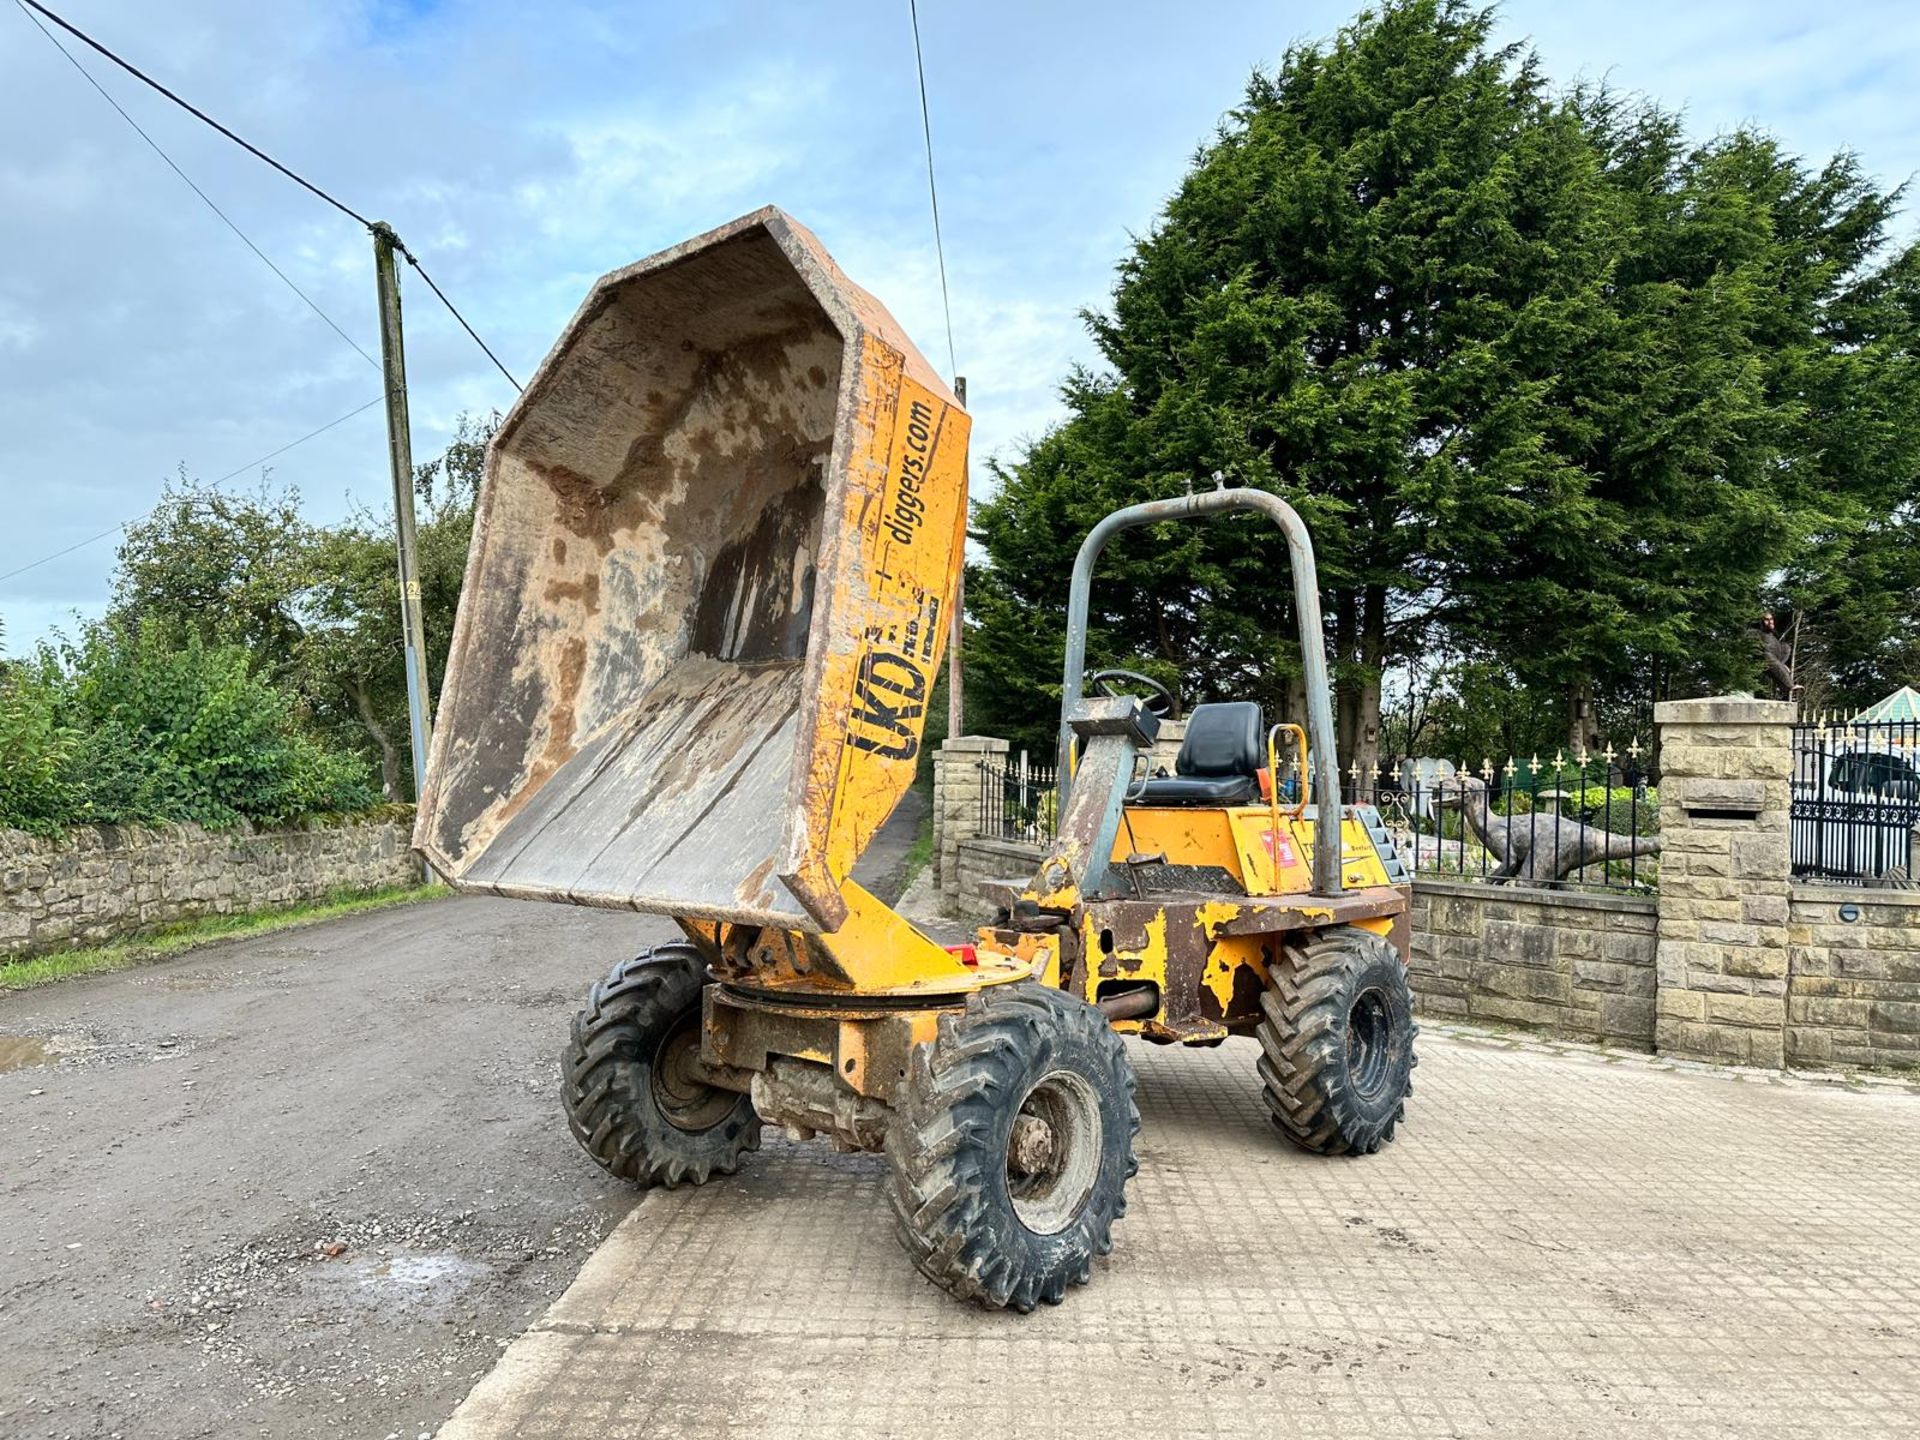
point(403, 1272)
point(62, 1047)
point(404, 1283)
point(17, 1052)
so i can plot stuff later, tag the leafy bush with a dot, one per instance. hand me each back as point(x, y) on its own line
point(1616, 809)
point(127, 726)
point(36, 749)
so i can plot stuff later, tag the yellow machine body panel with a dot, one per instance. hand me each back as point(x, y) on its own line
point(1264, 856)
point(906, 510)
point(1207, 947)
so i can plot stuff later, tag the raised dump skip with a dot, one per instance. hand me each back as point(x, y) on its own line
point(707, 594)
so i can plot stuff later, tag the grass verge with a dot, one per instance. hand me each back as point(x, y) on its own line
point(37, 970)
point(920, 853)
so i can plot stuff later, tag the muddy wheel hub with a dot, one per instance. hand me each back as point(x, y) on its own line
point(1369, 1043)
point(1053, 1152)
point(1030, 1148)
point(679, 1086)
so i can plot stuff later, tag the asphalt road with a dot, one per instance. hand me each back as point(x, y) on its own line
point(308, 1184)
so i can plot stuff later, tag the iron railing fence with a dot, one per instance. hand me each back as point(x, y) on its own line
point(1856, 800)
point(1018, 801)
point(1587, 822)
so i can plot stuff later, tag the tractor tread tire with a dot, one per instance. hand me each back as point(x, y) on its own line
point(948, 1146)
point(1303, 1041)
point(605, 1077)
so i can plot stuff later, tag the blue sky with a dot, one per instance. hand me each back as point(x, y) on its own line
point(523, 150)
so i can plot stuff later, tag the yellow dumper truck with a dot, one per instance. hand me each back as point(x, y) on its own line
point(712, 576)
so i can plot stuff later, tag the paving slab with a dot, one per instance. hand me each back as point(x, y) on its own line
point(1561, 1242)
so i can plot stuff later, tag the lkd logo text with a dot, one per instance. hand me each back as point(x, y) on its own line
point(890, 698)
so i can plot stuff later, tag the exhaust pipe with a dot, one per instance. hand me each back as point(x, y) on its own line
point(1135, 1003)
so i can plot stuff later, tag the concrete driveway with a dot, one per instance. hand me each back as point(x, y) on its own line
point(1562, 1242)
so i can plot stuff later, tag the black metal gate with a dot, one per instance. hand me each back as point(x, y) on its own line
point(1856, 799)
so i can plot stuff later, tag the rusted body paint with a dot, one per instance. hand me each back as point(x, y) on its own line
point(867, 1050)
point(1191, 903)
point(707, 596)
point(1089, 831)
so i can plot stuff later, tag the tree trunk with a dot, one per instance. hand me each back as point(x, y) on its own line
point(1580, 734)
point(1295, 711)
point(1346, 689)
point(1778, 657)
point(1660, 689)
point(1373, 661)
point(389, 755)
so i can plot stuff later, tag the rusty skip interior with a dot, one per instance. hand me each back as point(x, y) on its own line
point(641, 597)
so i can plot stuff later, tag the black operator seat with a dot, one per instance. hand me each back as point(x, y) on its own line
point(1219, 760)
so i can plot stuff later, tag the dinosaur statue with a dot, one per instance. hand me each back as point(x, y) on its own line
point(1540, 846)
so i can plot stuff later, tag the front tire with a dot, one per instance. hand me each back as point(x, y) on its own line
point(633, 1098)
point(1012, 1145)
point(1336, 1034)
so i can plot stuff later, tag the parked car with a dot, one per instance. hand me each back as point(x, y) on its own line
point(1876, 773)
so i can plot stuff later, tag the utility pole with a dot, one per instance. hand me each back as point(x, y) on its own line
point(956, 698)
point(400, 455)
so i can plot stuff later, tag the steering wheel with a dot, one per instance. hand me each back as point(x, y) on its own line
point(1158, 699)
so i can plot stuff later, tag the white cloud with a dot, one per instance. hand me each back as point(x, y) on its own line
point(17, 331)
point(632, 157)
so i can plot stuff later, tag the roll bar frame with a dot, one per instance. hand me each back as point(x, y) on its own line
point(1313, 647)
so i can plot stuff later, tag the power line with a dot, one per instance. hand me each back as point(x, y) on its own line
point(213, 485)
point(258, 153)
point(196, 111)
point(933, 193)
point(227, 220)
point(411, 260)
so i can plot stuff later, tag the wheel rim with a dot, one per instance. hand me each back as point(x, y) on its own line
point(1053, 1152)
point(1369, 1043)
point(687, 1101)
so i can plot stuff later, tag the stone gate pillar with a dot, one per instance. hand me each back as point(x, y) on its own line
point(1725, 769)
point(1166, 746)
point(956, 803)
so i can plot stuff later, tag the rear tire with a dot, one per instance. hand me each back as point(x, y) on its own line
point(1011, 1147)
point(630, 1098)
point(1336, 1034)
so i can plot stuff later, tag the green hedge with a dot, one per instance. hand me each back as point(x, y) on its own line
point(131, 727)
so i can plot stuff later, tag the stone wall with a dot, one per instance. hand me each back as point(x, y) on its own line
point(99, 883)
point(1580, 966)
point(1853, 986)
point(981, 860)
